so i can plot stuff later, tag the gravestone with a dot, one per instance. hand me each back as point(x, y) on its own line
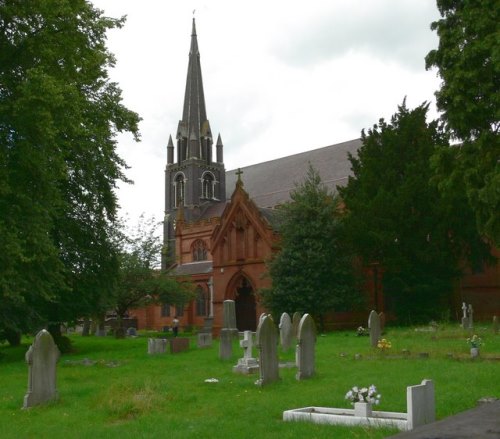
point(41, 357)
point(247, 364)
point(208, 324)
point(226, 343)
point(471, 317)
point(305, 354)
point(267, 344)
point(179, 344)
point(495, 325)
point(285, 331)
point(229, 321)
point(382, 322)
point(131, 332)
point(295, 323)
point(204, 339)
point(465, 320)
point(374, 326)
point(157, 346)
point(421, 405)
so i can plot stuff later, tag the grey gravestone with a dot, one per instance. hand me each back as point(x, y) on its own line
point(295, 323)
point(465, 320)
point(471, 317)
point(229, 321)
point(41, 357)
point(267, 344)
point(306, 343)
point(374, 326)
point(207, 325)
point(157, 346)
point(285, 331)
point(247, 364)
point(495, 325)
point(204, 339)
point(382, 322)
point(132, 332)
point(226, 344)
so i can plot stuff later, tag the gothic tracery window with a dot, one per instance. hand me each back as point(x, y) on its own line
point(179, 189)
point(201, 302)
point(199, 251)
point(207, 185)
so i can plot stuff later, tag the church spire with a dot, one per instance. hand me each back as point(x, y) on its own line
point(194, 135)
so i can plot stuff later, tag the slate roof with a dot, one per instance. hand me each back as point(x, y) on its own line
point(193, 268)
point(269, 183)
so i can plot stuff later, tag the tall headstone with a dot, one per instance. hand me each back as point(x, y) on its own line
point(229, 321)
point(285, 331)
point(306, 345)
point(247, 364)
point(204, 339)
point(420, 401)
point(267, 344)
point(295, 323)
point(374, 326)
point(42, 358)
point(157, 346)
point(465, 320)
point(226, 343)
point(495, 325)
point(382, 322)
point(471, 317)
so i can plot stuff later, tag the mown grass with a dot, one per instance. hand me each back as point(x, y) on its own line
point(129, 394)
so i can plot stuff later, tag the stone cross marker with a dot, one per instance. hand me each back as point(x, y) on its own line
point(229, 321)
point(41, 357)
point(285, 331)
point(374, 326)
point(295, 323)
point(267, 344)
point(248, 363)
point(465, 320)
point(305, 353)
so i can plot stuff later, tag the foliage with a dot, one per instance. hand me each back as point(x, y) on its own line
point(59, 115)
point(468, 62)
point(363, 394)
point(140, 281)
point(396, 217)
point(475, 341)
point(313, 270)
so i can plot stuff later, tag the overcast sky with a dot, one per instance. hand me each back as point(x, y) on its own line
point(280, 77)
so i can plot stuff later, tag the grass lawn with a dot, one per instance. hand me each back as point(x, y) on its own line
point(129, 394)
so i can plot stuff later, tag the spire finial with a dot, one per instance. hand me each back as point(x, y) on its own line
point(238, 173)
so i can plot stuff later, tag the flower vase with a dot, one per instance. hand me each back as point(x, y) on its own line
point(474, 352)
point(362, 409)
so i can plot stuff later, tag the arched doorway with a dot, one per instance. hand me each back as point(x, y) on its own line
point(244, 298)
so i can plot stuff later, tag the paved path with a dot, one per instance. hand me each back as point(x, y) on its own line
point(477, 423)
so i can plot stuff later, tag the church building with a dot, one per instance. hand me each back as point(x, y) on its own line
point(218, 224)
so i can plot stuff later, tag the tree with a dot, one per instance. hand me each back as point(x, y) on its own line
point(312, 271)
point(396, 216)
point(468, 62)
point(59, 115)
point(140, 281)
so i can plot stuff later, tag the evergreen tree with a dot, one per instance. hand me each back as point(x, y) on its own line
point(468, 62)
point(312, 271)
point(59, 115)
point(396, 216)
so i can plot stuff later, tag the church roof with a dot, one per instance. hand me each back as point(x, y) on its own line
point(269, 183)
point(193, 268)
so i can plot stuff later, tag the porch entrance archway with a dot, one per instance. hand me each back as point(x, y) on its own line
point(244, 298)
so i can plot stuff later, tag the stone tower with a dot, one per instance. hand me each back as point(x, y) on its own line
point(193, 180)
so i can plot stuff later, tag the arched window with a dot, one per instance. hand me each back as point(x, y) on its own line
point(179, 189)
point(201, 302)
point(207, 186)
point(199, 250)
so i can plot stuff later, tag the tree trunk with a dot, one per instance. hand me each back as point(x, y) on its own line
point(13, 337)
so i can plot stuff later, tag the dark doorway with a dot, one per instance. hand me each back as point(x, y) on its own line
point(246, 319)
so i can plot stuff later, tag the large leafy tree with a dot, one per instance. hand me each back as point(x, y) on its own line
point(396, 216)
point(468, 61)
point(312, 271)
point(59, 115)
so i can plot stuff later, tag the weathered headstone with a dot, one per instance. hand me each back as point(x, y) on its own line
point(208, 324)
point(267, 344)
point(204, 339)
point(226, 344)
point(495, 325)
point(374, 326)
point(42, 358)
point(465, 320)
point(157, 346)
point(381, 316)
point(179, 344)
point(247, 364)
point(295, 323)
point(131, 332)
point(421, 405)
point(306, 345)
point(229, 315)
point(285, 331)
point(471, 317)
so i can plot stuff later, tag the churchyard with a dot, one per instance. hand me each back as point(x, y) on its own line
point(114, 388)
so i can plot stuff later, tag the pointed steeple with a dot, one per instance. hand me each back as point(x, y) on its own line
point(219, 147)
point(194, 135)
point(170, 151)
